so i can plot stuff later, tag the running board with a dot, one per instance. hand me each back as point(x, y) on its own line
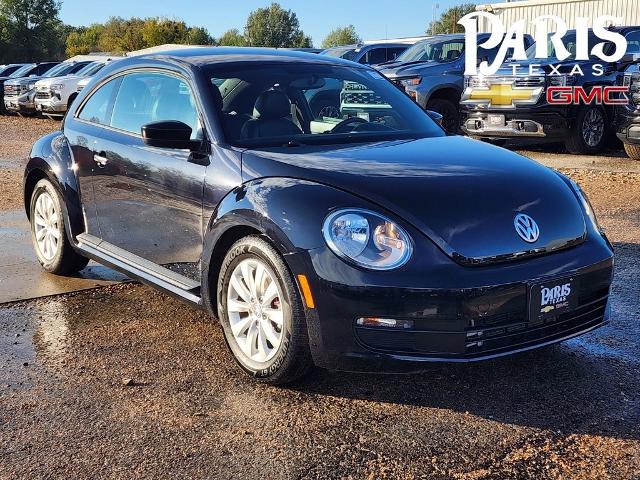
point(137, 267)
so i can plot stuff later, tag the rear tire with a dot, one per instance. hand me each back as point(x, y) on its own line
point(589, 134)
point(48, 232)
point(449, 112)
point(633, 151)
point(261, 313)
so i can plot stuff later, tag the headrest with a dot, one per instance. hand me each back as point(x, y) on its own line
point(272, 104)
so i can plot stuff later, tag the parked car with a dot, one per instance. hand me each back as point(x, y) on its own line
point(350, 245)
point(55, 95)
point(432, 73)
point(83, 83)
point(584, 129)
point(25, 71)
point(370, 53)
point(6, 70)
point(20, 93)
point(627, 119)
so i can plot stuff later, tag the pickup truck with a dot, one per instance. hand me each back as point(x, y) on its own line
point(432, 73)
point(55, 95)
point(23, 71)
point(19, 94)
point(627, 119)
point(508, 106)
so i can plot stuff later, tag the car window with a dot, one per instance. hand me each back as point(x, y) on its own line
point(277, 103)
point(393, 53)
point(374, 56)
point(152, 97)
point(96, 109)
point(633, 42)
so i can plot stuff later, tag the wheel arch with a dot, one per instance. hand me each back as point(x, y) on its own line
point(51, 159)
point(445, 92)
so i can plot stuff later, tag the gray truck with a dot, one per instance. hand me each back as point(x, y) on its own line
point(432, 73)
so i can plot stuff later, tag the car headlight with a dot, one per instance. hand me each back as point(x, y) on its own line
point(367, 239)
point(31, 86)
point(586, 205)
point(57, 86)
point(411, 82)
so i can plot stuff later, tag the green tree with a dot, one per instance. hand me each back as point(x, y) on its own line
point(448, 21)
point(341, 36)
point(84, 40)
point(274, 26)
point(158, 31)
point(32, 29)
point(199, 36)
point(232, 38)
point(122, 35)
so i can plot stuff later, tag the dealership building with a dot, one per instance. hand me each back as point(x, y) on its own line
point(512, 11)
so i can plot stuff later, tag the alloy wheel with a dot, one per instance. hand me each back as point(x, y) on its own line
point(255, 311)
point(46, 226)
point(593, 127)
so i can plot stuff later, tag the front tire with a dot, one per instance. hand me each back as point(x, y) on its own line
point(589, 134)
point(449, 111)
point(48, 233)
point(262, 314)
point(633, 151)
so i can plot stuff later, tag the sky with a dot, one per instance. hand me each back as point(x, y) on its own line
point(373, 19)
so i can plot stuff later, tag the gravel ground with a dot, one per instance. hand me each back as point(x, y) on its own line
point(124, 382)
point(17, 135)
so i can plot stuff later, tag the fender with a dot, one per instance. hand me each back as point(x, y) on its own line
point(51, 157)
point(273, 207)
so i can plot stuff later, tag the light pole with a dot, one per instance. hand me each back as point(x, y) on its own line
point(436, 6)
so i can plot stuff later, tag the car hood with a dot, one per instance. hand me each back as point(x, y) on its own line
point(463, 194)
point(64, 79)
point(408, 69)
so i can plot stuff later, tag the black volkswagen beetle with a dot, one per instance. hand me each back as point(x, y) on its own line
point(358, 238)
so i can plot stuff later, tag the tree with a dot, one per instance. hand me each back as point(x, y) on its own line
point(158, 31)
point(274, 27)
point(341, 36)
point(122, 35)
point(199, 36)
point(448, 21)
point(232, 38)
point(32, 29)
point(84, 40)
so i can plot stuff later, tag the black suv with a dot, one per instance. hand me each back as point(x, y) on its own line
point(495, 107)
point(627, 121)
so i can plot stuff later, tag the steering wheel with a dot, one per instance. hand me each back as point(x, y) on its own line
point(344, 125)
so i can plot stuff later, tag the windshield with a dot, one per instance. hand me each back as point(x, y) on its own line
point(569, 41)
point(433, 50)
point(297, 104)
point(90, 69)
point(348, 53)
point(57, 70)
point(22, 71)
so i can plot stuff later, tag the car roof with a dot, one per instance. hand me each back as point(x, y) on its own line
point(202, 56)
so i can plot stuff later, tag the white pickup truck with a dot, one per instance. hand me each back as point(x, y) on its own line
point(55, 95)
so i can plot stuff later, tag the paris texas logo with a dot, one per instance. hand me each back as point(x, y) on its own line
point(549, 34)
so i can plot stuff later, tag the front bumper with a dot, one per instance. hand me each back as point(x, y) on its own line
point(485, 319)
point(521, 122)
point(628, 129)
point(20, 103)
point(50, 105)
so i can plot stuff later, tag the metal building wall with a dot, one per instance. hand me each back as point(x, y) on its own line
point(568, 10)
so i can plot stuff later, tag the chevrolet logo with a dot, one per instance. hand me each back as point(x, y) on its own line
point(501, 95)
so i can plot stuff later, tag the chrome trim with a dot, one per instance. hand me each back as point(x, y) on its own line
point(509, 129)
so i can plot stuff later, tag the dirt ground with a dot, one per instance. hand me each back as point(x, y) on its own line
point(125, 382)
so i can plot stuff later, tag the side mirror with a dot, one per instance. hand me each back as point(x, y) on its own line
point(435, 116)
point(169, 134)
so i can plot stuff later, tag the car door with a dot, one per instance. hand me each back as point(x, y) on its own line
point(149, 200)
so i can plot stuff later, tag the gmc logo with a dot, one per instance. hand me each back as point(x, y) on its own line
point(579, 95)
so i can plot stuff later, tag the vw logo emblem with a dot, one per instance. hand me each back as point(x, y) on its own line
point(526, 227)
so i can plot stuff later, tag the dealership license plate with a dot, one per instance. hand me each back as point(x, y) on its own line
point(552, 298)
point(496, 120)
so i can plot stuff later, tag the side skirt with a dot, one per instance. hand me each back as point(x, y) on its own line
point(137, 267)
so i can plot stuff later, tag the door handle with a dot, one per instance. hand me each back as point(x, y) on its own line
point(100, 159)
